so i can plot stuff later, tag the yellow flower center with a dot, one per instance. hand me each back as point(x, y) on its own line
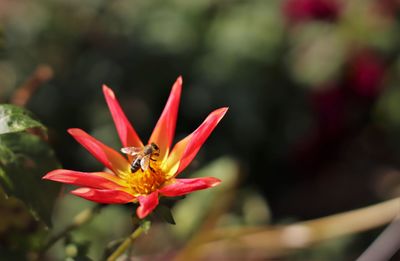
point(144, 182)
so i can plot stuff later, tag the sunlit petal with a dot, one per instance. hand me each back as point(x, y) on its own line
point(147, 204)
point(106, 155)
point(185, 150)
point(180, 187)
point(104, 196)
point(100, 180)
point(126, 132)
point(164, 131)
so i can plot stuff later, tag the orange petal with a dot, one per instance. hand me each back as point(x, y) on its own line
point(181, 187)
point(100, 180)
point(147, 204)
point(127, 134)
point(104, 196)
point(186, 149)
point(106, 155)
point(164, 131)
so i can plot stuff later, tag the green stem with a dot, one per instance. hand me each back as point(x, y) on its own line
point(127, 242)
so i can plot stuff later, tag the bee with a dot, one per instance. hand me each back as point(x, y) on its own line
point(142, 156)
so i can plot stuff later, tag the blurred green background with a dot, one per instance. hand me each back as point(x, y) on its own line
point(312, 87)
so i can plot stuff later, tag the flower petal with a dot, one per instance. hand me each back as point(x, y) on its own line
point(126, 132)
point(164, 131)
point(104, 196)
point(101, 180)
point(147, 204)
point(181, 187)
point(186, 149)
point(106, 155)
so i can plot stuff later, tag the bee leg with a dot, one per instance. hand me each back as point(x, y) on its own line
point(151, 168)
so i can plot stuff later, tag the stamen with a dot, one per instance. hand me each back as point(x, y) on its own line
point(145, 182)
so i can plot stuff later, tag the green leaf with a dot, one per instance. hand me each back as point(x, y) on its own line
point(165, 213)
point(24, 159)
point(15, 119)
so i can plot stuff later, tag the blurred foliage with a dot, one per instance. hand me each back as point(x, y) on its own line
point(19, 230)
point(200, 203)
point(26, 203)
point(92, 238)
point(312, 87)
point(24, 159)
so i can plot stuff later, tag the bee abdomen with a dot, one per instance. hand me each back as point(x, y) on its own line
point(135, 166)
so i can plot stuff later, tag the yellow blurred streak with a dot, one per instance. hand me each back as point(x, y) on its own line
point(271, 241)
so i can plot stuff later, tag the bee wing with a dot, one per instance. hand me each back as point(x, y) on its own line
point(145, 162)
point(132, 150)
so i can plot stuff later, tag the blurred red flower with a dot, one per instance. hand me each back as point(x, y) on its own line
point(366, 74)
point(302, 10)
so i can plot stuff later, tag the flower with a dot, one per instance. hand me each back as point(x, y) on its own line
point(303, 10)
point(366, 73)
point(143, 186)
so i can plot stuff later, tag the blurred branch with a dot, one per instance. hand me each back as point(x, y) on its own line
point(42, 74)
point(385, 246)
point(278, 240)
point(80, 219)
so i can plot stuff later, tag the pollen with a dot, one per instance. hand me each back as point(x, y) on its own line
point(145, 182)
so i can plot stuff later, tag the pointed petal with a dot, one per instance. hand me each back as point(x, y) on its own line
point(106, 155)
point(147, 204)
point(126, 132)
point(164, 131)
point(181, 187)
point(104, 196)
point(185, 150)
point(101, 180)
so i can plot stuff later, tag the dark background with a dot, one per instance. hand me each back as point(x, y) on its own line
point(312, 86)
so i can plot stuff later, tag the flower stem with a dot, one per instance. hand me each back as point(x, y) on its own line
point(81, 218)
point(127, 242)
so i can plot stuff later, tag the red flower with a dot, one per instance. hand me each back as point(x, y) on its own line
point(147, 183)
point(303, 10)
point(366, 74)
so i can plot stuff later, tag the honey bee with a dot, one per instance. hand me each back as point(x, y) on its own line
point(142, 156)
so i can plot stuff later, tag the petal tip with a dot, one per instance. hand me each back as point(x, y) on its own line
point(177, 87)
point(108, 92)
point(74, 131)
point(222, 110)
point(52, 175)
point(141, 214)
point(215, 182)
point(179, 80)
point(147, 204)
